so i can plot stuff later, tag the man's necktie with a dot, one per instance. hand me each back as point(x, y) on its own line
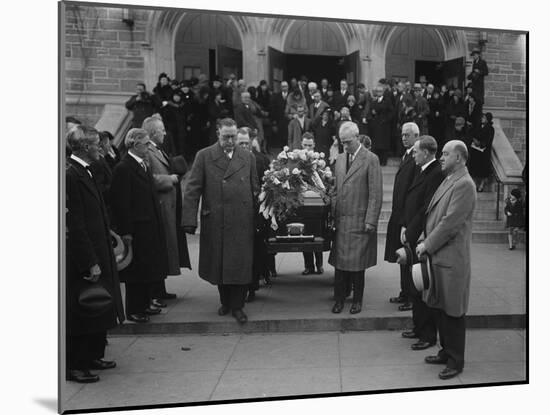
point(348, 162)
point(144, 166)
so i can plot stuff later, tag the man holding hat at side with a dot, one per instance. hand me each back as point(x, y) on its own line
point(448, 237)
point(418, 196)
point(478, 74)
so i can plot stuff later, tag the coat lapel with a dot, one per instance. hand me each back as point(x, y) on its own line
point(85, 178)
point(444, 188)
point(159, 156)
point(137, 168)
point(357, 163)
point(219, 158)
point(235, 164)
point(421, 176)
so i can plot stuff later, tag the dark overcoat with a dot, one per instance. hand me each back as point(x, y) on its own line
point(380, 126)
point(228, 189)
point(88, 243)
point(448, 239)
point(357, 201)
point(136, 212)
point(403, 180)
point(418, 198)
point(478, 78)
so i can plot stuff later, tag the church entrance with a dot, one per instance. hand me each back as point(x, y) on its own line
point(316, 68)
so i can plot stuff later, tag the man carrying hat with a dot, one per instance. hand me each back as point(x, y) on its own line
point(448, 237)
point(478, 74)
point(418, 197)
point(90, 260)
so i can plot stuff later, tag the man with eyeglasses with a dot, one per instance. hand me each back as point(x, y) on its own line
point(224, 177)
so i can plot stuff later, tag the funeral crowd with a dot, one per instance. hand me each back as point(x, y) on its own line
point(195, 155)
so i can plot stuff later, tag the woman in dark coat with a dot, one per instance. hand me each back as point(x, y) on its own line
point(324, 132)
point(199, 122)
point(473, 113)
point(454, 109)
point(175, 121)
point(480, 151)
point(188, 101)
point(436, 119)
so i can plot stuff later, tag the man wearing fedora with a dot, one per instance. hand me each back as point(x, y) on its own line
point(403, 179)
point(419, 194)
point(137, 217)
point(478, 74)
point(90, 261)
point(356, 207)
point(224, 180)
point(448, 237)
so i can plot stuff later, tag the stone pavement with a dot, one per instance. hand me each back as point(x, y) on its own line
point(198, 368)
point(303, 303)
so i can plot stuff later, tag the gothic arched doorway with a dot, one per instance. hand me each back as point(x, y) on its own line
point(207, 44)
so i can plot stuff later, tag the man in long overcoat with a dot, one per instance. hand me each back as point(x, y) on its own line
point(403, 180)
point(224, 177)
point(448, 238)
point(356, 207)
point(137, 217)
point(479, 71)
point(380, 125)
point(90, 259)
point(413, 221)
point(165, 184)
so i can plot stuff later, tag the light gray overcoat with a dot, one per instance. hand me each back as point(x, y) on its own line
point(166, 191)
point(357, 201)
point(448, 238)
point(228, 188)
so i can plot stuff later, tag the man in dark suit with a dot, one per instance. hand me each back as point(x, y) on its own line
point(317, 107)
point(90, 259)
point(278, 117)
point(142, 104)
point(324, 89)
point(403, 180)
point(224, 179)
point(243, 113)
point(413, 221)
point(478, 74)
point(136, 212)
point(341, 96)
point(448, 237)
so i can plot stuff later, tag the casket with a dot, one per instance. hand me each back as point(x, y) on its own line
point(308, 230)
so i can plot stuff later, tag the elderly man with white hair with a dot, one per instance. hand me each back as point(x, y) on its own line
point(311, 88)
point(137, 217)
point(356, 208)
point(447, 243)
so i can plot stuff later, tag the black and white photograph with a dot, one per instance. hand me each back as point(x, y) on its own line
point(261, 206)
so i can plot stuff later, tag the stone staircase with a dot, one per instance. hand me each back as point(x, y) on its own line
point(486, 228)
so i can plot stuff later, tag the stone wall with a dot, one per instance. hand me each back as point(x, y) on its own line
point(103, 53)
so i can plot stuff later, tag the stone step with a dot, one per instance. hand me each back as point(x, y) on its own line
point(478, 236)
point(481, 321)
point(478, 225)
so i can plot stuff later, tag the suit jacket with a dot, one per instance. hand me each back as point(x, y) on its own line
point(227, 189)
point(417, 200)
point(88, 243)
point(356, 202)
point(403, 180)
point(136, 212)
point(315, 113)
point(278, 106)
point(295, 132)
point(161, 170)
point(244, 116)
point(448, 238)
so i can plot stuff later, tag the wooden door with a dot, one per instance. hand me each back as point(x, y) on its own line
point(277, 68)
point(453, 72)
point(229, 61)
point(351, 67)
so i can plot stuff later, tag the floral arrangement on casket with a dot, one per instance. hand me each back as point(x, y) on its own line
point(288, 177)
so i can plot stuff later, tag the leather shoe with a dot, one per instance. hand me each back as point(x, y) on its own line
point(320, 270)
point(152, 311)
point(421, 345)
point(405, 307)
point(355, 308)
point(138, 318)
point(409, 334)
point(82, 376)
point(251, 296)
point(168, 296)
point(100, 364)
point(240, 316)
point(307, 271)
point(435, 360)
point(158, 303)
point(338, 307)
point(448, 373)
point(398, 300)
point(223, 310)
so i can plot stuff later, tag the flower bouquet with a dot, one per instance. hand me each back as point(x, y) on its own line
point(289, 176)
